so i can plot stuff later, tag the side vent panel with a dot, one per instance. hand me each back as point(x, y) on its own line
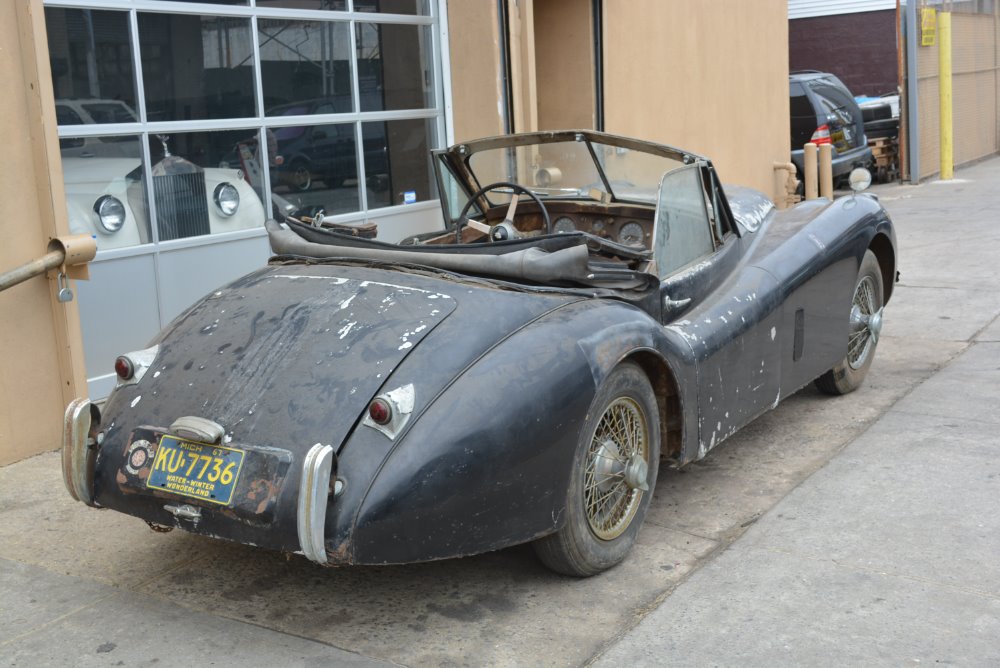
point(800, 334)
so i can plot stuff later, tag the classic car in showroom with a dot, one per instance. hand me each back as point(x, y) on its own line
point(106, 197)
point(592, 305)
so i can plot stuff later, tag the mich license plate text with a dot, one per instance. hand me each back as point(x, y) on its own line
point(196, 470)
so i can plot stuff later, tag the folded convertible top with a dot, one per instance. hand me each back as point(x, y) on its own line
point(568, 263)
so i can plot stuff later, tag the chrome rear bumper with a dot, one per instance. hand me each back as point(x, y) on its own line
point(314, 492)
point(78, 451)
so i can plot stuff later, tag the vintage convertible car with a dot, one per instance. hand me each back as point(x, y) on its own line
point(593, 304)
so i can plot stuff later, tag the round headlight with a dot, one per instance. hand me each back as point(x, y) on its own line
point(227, 198)
point(111, 212)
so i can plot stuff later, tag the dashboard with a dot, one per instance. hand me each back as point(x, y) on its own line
point(625, 224)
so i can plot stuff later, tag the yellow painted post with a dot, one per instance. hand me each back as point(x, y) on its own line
point(944, 69)
point(809, 169)
point(826, 171)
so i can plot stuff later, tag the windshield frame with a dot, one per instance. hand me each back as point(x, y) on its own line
point(457, 160)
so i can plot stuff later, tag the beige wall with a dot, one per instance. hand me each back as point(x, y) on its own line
point(564, 63)
point(38, 372)
point(975, 93)
point(707, 76)
point(474, 42)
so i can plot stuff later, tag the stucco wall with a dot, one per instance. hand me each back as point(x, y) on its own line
point(711, 77)
point(564, 45)
point(859, 48)
point(474, 41)
point(38, 369)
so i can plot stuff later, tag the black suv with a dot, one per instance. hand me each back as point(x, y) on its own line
point(823, 111)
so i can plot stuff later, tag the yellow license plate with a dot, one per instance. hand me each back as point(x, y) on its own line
point(839, 139)
point(197, 470)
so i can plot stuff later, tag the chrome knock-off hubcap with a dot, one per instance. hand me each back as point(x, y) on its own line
point(636, 472)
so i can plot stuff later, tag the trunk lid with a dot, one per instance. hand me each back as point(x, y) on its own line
point(248, 354)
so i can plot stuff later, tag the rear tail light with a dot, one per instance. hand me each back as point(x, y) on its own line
point(124, 368)
point(380, 411)
point(131, 367)
point(389, 412)
point(822, 135)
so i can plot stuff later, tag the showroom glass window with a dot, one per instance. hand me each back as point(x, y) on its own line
point(192, 118)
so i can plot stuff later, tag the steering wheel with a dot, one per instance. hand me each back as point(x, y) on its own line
point(462, 219)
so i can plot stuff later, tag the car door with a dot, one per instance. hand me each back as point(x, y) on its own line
point(693, 238)
point(728, 312)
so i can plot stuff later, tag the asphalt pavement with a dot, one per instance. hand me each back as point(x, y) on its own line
point(860, 530)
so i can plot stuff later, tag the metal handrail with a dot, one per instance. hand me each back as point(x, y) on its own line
point(31, 269)
point(70, 251)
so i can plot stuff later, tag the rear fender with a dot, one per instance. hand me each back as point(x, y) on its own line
point(487, 464)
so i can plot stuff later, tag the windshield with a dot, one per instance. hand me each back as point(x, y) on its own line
point(568, 169)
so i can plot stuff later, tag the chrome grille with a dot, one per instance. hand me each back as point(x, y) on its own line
point(181, 205)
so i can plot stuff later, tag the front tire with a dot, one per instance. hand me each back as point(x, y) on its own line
point(300, 177)
point(865, 329)
point(611, 484)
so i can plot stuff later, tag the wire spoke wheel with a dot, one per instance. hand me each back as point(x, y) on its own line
point(863, 309)
point(611, 496)
point(610, 479)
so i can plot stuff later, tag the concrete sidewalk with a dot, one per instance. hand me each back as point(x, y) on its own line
point(889, 555)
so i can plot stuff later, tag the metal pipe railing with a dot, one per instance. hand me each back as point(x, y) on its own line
point(68, 254)
point(31, 269)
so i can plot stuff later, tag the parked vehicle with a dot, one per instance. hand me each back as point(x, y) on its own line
point(823, 111)
point(77, 111)
point(881, 115)
point(592, 305)
point(106, 197)
point(325, 152)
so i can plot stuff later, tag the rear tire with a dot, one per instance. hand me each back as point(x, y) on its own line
point(866, 326)
point(618, 452)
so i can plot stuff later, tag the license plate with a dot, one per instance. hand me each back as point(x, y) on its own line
point(197, 470)
point(838, 139)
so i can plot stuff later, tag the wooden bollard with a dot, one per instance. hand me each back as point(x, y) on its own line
point(809, 169)
point(826, 171)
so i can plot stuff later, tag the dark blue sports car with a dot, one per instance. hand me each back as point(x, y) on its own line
point(591, 306)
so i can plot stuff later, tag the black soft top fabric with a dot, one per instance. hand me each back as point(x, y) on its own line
point(556, 260)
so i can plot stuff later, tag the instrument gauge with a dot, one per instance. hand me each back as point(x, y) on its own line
point(631, 234)
point(564, 225)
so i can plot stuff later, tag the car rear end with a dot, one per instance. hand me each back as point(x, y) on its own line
point(235, 422)
point(823, 111)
